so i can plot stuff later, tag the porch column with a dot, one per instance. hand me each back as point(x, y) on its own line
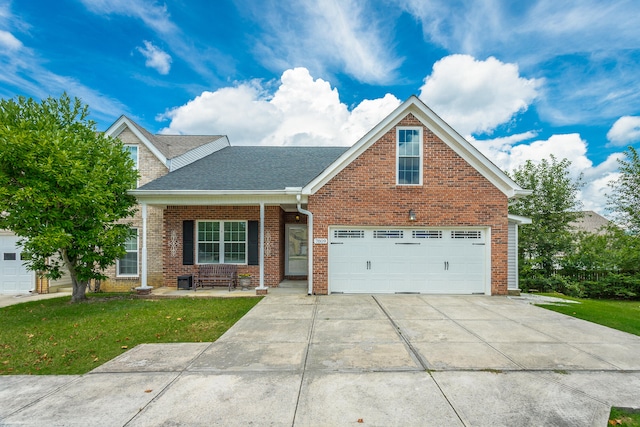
point(261, 288)
point(143, 273)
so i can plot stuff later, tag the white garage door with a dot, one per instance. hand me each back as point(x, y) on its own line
point(14, 277)
point(377, 260)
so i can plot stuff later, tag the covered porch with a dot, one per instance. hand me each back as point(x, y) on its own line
point(269, 240)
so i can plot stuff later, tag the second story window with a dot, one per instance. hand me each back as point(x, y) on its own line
point(133, 152)
point(409, 156)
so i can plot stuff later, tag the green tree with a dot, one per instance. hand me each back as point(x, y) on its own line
point(63, 188)
point(611, 250)
point(552, 207)
point(625, 197)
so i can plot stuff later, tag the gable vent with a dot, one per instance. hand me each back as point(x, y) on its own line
point(348, 234)
point(427, 234)
point(388, 234)
point(466, 234)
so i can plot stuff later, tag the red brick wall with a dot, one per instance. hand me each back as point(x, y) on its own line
point(174, 215)
point(453, 194)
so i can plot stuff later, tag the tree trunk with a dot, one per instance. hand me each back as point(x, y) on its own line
point(79, 288)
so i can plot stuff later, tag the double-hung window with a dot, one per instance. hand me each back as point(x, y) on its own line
point(222, 242)
point(409, 155)
point(133, 152)
point(128, 265)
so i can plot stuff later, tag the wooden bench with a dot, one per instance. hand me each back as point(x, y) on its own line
point(216, 275)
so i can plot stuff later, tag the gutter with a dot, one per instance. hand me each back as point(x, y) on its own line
point(310, 240)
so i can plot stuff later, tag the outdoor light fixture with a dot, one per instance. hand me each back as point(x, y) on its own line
point(412, 215)
point(297, 218)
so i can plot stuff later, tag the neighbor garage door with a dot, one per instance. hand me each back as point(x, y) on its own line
point(14, 277)
point(388, 260)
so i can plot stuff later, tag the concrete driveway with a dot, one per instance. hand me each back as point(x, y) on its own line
point(382, 360)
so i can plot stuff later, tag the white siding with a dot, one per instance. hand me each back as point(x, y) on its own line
point(512, 273)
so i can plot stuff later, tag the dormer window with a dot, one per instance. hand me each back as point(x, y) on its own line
point(409, 155)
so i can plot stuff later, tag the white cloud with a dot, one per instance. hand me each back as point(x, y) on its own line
point(157, 18)
point(9, 41)
point(153, 15)
point(302, 111)
point(477, 96)
point(625, 131)
point(325, 35)
point(23, 73)
point(588, 48)
point(156, 58)
point(508, 155)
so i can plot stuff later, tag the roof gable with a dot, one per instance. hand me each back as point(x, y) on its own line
point(174, 151)
point(436, 125)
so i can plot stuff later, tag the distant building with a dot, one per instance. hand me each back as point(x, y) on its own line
point(591, 222)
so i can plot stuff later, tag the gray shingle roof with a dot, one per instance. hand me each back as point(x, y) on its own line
point(250, 169)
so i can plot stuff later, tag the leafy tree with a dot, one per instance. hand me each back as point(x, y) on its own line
point(612, 250)
point(625, 198)
point(552, 207)
point(63, 188)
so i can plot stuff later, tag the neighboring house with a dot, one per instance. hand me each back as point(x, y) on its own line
point(590, 222)
point(154, 156)
point(411, 207)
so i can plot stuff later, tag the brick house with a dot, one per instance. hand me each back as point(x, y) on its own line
point(155, 156)
point(410, 207)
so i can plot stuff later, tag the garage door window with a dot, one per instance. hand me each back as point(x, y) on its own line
point(466, 234)
point(388, 234)
point(348, 234)
point(427, 234)
point(9, 256)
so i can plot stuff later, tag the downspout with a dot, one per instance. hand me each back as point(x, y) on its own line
point(310, 240)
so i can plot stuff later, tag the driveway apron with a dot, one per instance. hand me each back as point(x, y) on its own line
point(385, 360)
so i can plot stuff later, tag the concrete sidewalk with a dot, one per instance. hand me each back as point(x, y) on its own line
point(351, 360)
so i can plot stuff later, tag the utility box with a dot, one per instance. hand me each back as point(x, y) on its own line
point(185, 282)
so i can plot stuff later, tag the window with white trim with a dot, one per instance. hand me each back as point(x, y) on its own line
point(409, 155)
point(133, 152)
point(222, 242)
point(127, 266)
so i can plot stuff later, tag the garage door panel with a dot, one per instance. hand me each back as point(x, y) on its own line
point(372, 260)
point(14, 276)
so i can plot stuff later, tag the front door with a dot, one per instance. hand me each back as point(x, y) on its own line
point(296, 250)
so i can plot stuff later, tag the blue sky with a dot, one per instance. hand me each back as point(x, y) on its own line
point(520, 80)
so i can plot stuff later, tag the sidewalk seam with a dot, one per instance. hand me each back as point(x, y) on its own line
point(306, 358)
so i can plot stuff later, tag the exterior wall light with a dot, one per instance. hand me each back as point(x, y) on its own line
point(412, 215)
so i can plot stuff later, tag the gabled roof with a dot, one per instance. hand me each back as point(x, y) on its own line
point(441, 129)
point(173, 150)
point(591, 222)
point(249, 168)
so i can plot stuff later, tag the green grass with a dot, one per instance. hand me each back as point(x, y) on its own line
point(624, 417)
point(56, 337)
point(621, 315)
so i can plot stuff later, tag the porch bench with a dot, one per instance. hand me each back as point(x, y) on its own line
point(216, 275)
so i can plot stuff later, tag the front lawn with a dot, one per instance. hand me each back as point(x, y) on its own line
point(621, 315)
point(55, 337)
